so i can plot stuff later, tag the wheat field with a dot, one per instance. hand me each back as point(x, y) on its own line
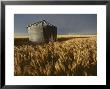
point(68, 56)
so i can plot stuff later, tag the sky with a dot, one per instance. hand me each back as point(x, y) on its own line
point(66, 23)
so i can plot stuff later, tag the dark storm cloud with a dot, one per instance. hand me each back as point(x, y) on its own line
point(66, 23)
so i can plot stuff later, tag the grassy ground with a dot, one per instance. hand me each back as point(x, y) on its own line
point(68, 56)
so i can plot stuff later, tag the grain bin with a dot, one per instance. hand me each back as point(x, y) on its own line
point(42, 31)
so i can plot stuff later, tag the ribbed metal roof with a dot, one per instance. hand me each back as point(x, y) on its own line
point(42, 21)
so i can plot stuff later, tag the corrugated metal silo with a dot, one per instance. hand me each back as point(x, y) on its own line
point(35, 32)
point(42, 31)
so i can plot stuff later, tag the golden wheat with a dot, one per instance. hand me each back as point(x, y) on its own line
point(65, 57)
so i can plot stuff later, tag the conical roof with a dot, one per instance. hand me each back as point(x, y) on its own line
point(44, 23)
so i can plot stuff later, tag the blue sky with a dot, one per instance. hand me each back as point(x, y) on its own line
point(66, 23)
